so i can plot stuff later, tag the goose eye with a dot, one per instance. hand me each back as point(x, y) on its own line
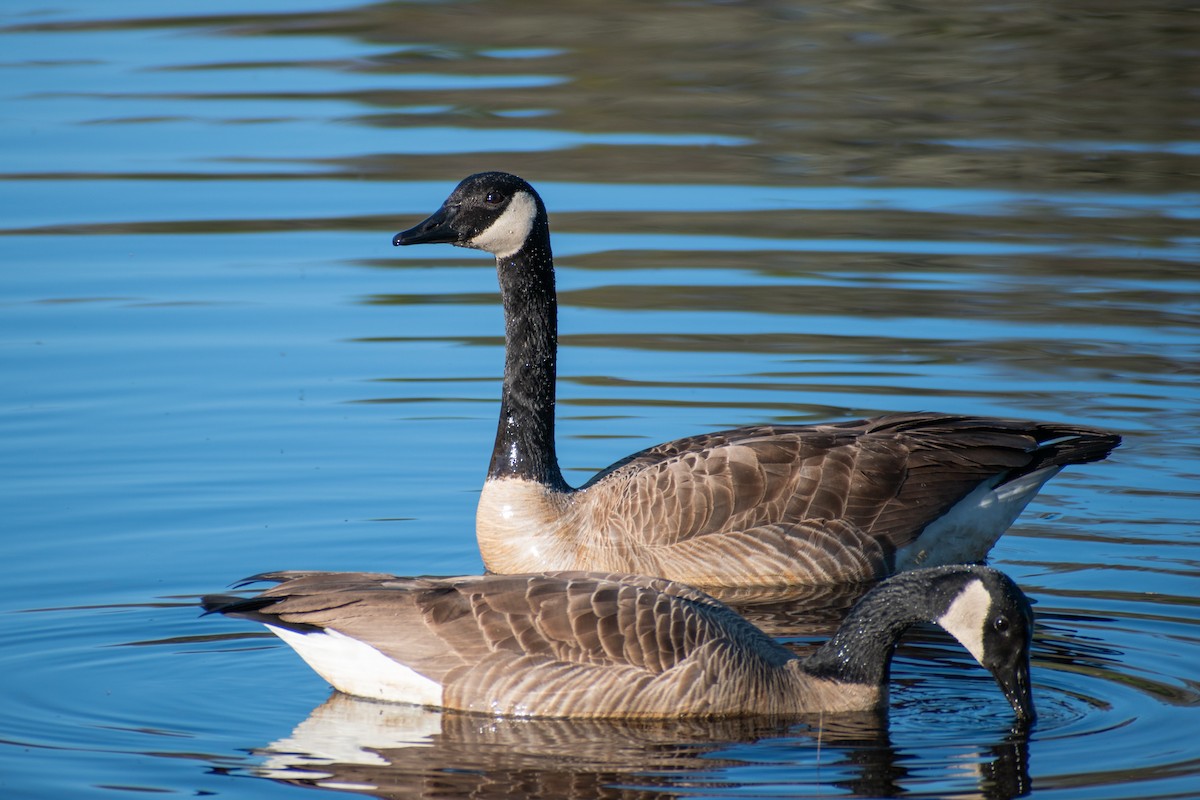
point(1001, 624)
point(494, 198)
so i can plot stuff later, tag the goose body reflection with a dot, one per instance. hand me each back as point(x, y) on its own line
point(767, 505)
point(607, 646)
point(395, 751)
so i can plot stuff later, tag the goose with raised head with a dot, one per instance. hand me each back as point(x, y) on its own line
point(760, 506)
point(579, 644)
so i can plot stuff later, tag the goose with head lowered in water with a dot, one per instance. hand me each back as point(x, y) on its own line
point(593, 645)
point(760, 506)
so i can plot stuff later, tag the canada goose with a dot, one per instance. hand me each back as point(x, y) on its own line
point(767, 505)
point(576, 644)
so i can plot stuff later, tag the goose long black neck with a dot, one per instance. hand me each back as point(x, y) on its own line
point(525, 434)
point(861, 650)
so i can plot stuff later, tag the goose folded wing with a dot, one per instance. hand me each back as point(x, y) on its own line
point(889, 477)
point(748, 478)
point(578, 618)
point(581, 644)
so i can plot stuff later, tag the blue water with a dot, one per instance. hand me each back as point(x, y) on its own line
point(215, 363)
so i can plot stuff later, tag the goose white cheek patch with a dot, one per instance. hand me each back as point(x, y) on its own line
point(967, 616)
point(508, 233)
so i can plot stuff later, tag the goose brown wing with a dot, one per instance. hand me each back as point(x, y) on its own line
point(440, 627)
point(578, 644)
point(949, 456)
point(581, 618)
point(889, 476)
point(746, 479)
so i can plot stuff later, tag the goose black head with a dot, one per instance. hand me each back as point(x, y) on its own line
point(991, 617)
point(492, 211)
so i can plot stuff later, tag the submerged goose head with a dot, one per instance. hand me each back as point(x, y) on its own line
point(491, 211)
point(991, 617)
point(576, 644)
point(980, 607)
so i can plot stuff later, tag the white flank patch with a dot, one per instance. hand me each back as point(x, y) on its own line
point(967, 616)
point(356, 668)
point(967, 531)
point(507, 234)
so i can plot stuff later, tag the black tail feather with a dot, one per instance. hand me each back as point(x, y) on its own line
point(252, 608)
point(1060, 445)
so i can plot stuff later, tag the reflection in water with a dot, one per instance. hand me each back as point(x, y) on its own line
point(717, 93)
point(395, 751)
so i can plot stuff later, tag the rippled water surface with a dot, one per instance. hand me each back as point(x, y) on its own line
point(215, 363)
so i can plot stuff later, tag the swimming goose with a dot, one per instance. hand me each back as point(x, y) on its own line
point(767, 505)
point(574, 644)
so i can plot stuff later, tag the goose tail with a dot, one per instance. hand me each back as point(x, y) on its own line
point(1063, 445)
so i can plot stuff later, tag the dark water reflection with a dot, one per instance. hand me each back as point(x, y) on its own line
point(900, 93)
point(1089, 95)
point(392, 751)
point(763, 211)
